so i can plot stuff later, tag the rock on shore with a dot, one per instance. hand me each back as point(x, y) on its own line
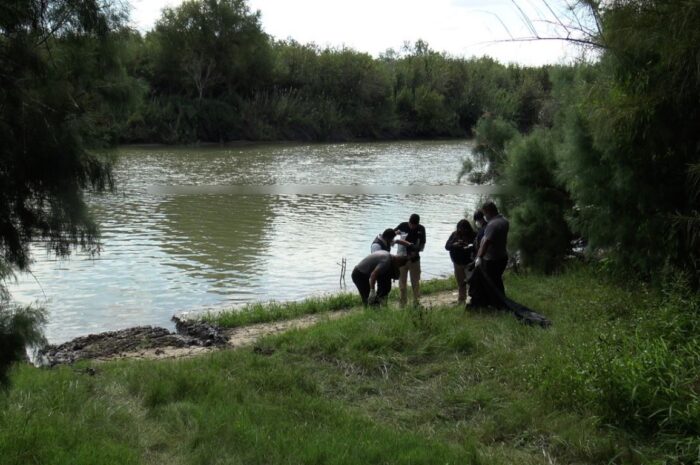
point(113, 343)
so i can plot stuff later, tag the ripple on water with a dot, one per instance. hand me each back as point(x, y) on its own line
point(167, 253)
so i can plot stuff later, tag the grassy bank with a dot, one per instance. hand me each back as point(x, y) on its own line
point(398, 387)
point(265, 312)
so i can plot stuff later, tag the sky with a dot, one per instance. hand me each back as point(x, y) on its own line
point(462, 28)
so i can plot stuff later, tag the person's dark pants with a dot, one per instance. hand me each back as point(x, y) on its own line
point(361, 281)
point(478, 290)
point(494, 270)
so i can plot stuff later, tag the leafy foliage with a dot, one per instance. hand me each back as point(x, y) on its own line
point(19, 328)
point(635, 133)
point(541, 204)
point(62, 90)
point(492, 136)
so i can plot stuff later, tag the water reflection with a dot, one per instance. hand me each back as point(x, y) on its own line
point(219, 236)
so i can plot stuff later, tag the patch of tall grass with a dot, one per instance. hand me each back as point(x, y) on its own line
point(639, 372)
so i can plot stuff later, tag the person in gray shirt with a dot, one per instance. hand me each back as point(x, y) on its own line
point(376, 270)
point(492, 255)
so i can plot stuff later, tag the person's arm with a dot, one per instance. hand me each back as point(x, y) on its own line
point(402, 242)
point(424, 239)
point(379, 270)
point(450, 241)
point(485, 244)
point(373, 278)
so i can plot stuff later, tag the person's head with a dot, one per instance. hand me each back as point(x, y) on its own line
point(490, 210)
point(414, 221)
point(479, 219)
point(397, 261)
point(388, 235)
point(465, 230)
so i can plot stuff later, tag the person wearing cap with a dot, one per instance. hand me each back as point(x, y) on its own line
point(373, 274)
point(414, 233)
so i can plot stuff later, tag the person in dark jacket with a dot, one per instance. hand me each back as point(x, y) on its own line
point(460, 244)
point(492, 255)
point(414, 233)
point(480, 224)
point(478, 291)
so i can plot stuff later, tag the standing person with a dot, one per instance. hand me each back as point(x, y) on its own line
point(492, 255)
point(460, 244)
point(385, 240)
point(480, 223)
point(376, 270)
point(414, 233)
point(478, 290)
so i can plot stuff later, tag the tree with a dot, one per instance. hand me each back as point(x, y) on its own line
point(207, 56)
point(634, 132)
point(490, 155)
point(58, 75)
point(540, 204)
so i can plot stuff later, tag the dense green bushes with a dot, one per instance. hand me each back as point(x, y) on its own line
point(540, 204)
point(213, 75)
point(616, 151)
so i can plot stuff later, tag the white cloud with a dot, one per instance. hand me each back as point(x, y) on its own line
point(460, 27)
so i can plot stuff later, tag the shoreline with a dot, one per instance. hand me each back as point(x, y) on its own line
point(196, 334)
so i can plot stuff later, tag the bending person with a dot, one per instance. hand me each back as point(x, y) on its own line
point(373, 275)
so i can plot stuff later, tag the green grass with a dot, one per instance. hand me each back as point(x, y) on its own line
point(435, 386)
point(266, 312)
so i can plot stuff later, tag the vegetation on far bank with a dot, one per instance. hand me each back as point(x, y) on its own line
point(412, 386)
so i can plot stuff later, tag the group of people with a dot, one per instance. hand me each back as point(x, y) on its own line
point(478, 254)
point(374, 273)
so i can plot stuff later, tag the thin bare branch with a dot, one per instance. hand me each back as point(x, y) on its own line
point(526, 19)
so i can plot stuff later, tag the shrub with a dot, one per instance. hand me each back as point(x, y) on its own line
point(19, 328)
point(540, 230)
point(492, 135)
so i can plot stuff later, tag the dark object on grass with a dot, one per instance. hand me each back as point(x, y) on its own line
point(522, 313)
point(260, 350)
point(207, 334)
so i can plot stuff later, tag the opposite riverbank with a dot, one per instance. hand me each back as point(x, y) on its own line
point(433, 385)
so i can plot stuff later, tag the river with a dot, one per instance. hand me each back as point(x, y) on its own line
point(192, 229)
